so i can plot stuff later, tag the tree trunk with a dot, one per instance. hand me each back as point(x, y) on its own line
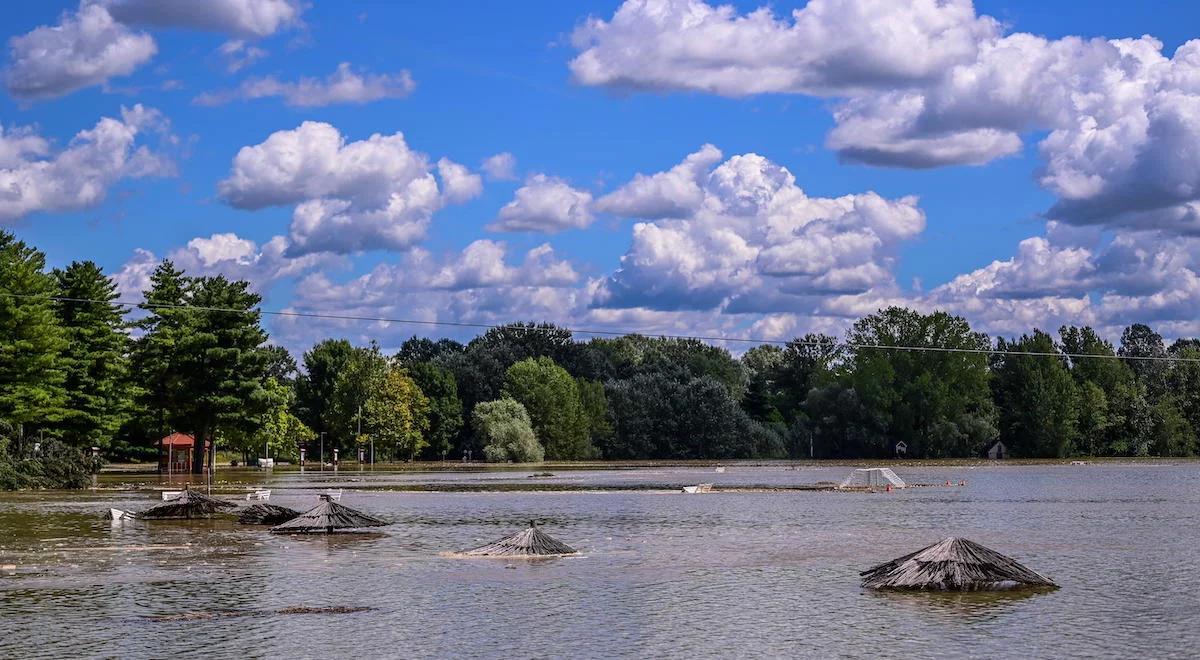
point(199, 457)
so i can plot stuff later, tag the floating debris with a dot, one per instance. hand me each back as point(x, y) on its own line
point(872, 478)
point(337, 609)
point(266, 514)
point(326, 518)
point(531, 542)
point(953, 564)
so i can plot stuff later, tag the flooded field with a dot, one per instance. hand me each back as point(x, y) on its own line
point(662, 573)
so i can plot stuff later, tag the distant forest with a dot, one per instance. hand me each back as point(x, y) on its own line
point(83, 374)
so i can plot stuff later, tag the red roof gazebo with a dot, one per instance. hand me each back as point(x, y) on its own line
point(176, 455)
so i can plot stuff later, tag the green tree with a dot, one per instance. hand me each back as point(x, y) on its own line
point(1145, 351)
point(445, 409)
point(594, 406)
point(504, 430)
point(1095, 423)
point(938, 402)
point(221, 369)
point(551, 397)
point(416, 350)
point(32, 368)
point(397, 412)
point(315, 387)
point(280, 364)
point(360, 379)
point(1038, 401)
point(156, 371)
point(1185, 381)
point(96, 356)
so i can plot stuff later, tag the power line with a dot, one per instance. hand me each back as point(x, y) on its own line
point(607, 333)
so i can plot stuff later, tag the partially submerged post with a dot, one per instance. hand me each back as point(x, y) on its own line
point(953, 564)
point(189, 504)
point(532, 542)
point(326, 518)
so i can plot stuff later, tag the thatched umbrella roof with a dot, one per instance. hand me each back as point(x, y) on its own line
point(953, 564)
point(531, 542)
point(189, 504)
point(266, 514)
point(327, 517)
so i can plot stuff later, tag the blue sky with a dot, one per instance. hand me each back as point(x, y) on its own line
point(494, 78)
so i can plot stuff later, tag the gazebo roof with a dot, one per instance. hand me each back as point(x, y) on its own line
point(327, 517)
point(178, 439)
point(531, 542)
point(953, 564)
point(189, 504)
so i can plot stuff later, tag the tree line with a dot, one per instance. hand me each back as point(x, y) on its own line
point(83, 370)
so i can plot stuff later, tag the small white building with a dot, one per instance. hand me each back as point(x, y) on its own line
point(997, 451)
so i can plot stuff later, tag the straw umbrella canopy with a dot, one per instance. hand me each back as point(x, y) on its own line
point(189, 504)
point(953, 564)
point(531, 542)
point(327, 517)
point(266, 514)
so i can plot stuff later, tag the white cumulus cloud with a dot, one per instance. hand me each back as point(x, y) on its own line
point(545, 204)
point(86, 48)
point(370, 194)
point(34, 178)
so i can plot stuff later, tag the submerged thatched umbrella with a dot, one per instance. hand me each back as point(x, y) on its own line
point(327, 517)
point(189, 504)
point(531, 542)
point(953, 564)
point(266, 514)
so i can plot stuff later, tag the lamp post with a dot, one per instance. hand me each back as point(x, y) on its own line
point(322, 450)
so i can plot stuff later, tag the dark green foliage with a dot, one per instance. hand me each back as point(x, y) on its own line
point(1037, 398)
point(155, 360)
point(938, 402)
point(32, 368)
point(280, 364)
point(315, 387)
point(98, 395)
point(594, 407)
point(551, 397)
point(656, 415)
point(445, 409)
point(52, 465)
point(420, 349)
point(221, 368)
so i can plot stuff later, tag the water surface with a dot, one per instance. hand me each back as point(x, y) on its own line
point(663, 573)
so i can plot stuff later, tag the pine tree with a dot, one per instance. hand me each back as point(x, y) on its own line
point(96, 355)
point(221, 370)
point(155, 370)
point(31, 338)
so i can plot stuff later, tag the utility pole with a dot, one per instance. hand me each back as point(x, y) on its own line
point(810, 444)
point(322, 450)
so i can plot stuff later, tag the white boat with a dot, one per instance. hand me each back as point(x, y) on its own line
point(117, 515)
point(334, 494)
point(260, 494)
point(169, 495)
point(266, 463)
point(720, 469)
point(698, 488)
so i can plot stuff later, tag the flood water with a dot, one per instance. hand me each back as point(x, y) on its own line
point(662, 574)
